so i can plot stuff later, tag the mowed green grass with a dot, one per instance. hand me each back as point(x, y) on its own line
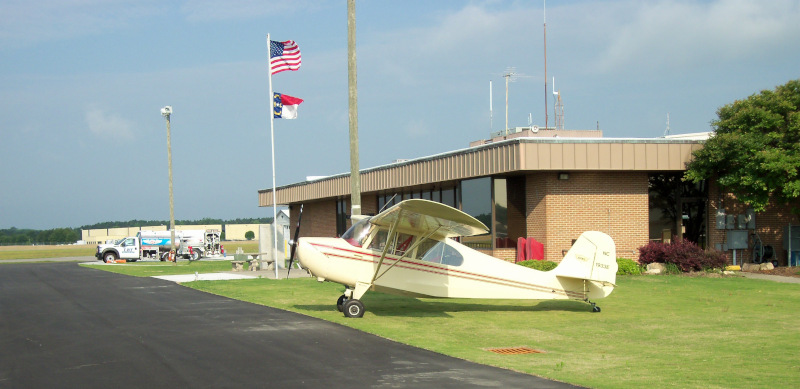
point(58, 251)
point(653, 331)
point(150, 269)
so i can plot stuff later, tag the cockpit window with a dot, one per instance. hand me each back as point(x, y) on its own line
point(444, 254)
point(357, 233)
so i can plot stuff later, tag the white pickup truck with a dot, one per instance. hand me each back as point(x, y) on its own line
point(190, 244)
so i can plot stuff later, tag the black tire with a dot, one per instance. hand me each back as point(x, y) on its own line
point(109, 257)
point(195, 256)
point(353, 308)
point(595, 309)
point(164, 257)
point(340, 303)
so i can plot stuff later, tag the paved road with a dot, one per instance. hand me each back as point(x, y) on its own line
point(62, 325)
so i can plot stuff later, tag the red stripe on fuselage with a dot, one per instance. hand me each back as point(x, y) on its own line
point(430, 268)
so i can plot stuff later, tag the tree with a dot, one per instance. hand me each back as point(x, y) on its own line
point(755, 150)
point(249, 235)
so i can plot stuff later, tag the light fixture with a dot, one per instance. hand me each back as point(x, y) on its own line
point(563, 176)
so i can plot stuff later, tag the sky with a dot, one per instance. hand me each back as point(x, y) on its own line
point(82, 82)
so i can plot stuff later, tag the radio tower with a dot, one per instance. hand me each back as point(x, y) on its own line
point(558, 108)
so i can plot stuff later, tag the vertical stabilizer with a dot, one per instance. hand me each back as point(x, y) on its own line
point(593, 257)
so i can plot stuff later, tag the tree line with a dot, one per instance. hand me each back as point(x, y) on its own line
point(24, 236)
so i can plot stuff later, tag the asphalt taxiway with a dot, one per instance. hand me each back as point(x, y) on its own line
point(64, 325)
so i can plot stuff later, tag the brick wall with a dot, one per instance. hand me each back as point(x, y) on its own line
point(319, 218)
point(769, 224)
point(612, 202)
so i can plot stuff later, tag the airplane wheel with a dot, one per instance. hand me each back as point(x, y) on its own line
point(595, 308)
point(340, 303)
point(353, 308)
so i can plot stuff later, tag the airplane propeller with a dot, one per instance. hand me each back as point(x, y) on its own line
point(294, 241)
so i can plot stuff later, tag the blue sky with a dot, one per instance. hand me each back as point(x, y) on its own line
point(82, 82)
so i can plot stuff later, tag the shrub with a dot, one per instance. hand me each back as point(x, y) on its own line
point(715, 259)
point(627, 266)
point(684, 255)
point(538, 265)
point(652, 252)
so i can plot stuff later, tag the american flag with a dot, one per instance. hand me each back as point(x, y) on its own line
point(283, 56)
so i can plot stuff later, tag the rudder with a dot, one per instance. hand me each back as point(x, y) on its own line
point(593, 257)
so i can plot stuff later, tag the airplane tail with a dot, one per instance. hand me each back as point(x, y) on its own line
point(593, 258)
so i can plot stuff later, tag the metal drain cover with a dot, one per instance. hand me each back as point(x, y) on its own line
point(514, 350)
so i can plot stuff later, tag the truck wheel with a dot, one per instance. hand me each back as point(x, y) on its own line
point(164, 257)
point(195, 255)
point(110, 257)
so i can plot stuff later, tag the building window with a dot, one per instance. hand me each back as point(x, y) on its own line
point(500, 219)
point(476, 201)
point(341, 216)
point(677, 208)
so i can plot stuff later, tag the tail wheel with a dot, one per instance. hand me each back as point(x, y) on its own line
point(353, 308)
point(110, 257)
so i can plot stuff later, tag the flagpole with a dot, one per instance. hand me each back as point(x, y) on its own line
point(272, 144)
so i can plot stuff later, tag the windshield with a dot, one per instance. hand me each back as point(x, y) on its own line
point(357, 233)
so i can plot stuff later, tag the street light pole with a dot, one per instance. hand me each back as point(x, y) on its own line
point(166, 112)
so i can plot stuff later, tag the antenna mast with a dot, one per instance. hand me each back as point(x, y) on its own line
point(544, 17)
point(491, 125)
point(509, 75)
point(558, 108)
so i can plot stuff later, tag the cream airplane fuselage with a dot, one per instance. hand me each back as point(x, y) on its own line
point(407, 250)
point(478, 276)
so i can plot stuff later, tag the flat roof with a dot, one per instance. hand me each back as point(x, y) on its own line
point(511, 156)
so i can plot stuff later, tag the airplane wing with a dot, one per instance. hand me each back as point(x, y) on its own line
point(427, 216)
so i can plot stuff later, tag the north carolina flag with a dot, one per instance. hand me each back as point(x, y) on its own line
point(285, 106)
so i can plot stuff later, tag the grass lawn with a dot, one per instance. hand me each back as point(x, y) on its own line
point(149, 269)
point(57, 251)
point(654, 331)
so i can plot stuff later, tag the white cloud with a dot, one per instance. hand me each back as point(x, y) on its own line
point(683, 34)
point(108, 125)
point(24, 22)
point(205, 10)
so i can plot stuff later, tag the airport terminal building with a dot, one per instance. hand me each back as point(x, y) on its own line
point(551, 186)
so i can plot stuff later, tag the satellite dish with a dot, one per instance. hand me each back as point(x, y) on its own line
point(535, 129)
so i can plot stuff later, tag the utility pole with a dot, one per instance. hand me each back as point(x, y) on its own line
point(166, 112)
point(355, 175)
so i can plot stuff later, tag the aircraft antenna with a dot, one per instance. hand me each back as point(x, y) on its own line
point(666, 132)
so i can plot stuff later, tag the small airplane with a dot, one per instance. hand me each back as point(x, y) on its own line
point(407, 250)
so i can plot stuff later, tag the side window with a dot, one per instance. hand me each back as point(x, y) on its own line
point(444, 254)
point(402, 243)
point(398, 246)
point(128, 242)
point(379, 241)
